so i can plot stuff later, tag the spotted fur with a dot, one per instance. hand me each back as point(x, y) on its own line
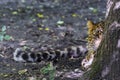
point(22, 55)
point(95, 35)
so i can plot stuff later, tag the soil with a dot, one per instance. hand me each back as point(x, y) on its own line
point(34, 23)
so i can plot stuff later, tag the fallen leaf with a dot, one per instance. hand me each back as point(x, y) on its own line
point(47, 29)
point(74, 15)
point(40, 28)
point(40, 15)
point(20, 72)
point(14, 12)
point(60, 22)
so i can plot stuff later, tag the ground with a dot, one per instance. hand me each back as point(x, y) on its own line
point(39, 22)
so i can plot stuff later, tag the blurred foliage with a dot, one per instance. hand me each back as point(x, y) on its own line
point(3, 35)
point(49, 69)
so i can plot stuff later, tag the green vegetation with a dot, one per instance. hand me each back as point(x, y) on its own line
point(49, 69)
point(3, 35)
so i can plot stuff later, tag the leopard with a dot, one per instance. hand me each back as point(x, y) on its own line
point(95, 36)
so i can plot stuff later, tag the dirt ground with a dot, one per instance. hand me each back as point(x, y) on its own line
point(32, 23)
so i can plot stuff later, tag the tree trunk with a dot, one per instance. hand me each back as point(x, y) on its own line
point(106, 65)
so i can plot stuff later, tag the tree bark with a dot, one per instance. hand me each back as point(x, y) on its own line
point(106, 65)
